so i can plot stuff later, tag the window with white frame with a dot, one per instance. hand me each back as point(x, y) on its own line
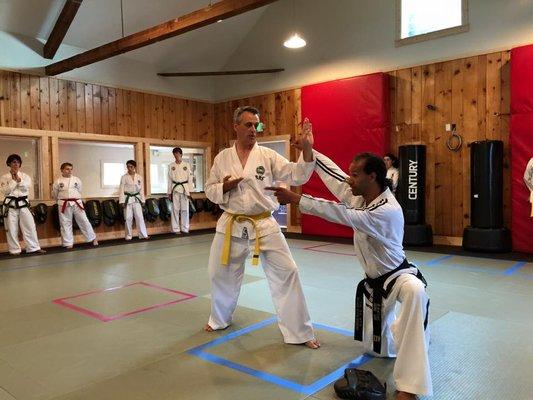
point(161, 157)
point(419, 20)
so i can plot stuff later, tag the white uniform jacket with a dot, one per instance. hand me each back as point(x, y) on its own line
point(528, 178)
point(378, 226)
point(10, 187)
point(263, 168)
point(179, 173)
point(131, 184)
point(67, 188)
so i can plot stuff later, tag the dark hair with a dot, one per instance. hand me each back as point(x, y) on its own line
point(374, 163)
point(66, 164)
point(13, 157)
point(394, 159)
point(131, 162)
point(177, 150)
point(241, 110)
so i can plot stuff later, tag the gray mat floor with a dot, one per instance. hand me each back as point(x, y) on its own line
point(125, 322)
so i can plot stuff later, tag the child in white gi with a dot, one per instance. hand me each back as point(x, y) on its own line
point(67, 191)
point(15, 187)
point(179, 188)
point(131, 196)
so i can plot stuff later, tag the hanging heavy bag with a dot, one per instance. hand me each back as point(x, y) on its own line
point(40, 213)
point(165, 208)
point(152, 206)
point(55, 217)
point(208, 205)
point(93, 208)
point(109, 211)
point(121, 216)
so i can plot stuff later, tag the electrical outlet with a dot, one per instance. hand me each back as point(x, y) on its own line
point(450, 127)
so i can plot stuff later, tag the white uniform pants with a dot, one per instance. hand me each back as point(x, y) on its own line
point(23, 217)
point(65, 220)
point(134, 210)
point(180, 213)
point(282, 276)
point(404, 337)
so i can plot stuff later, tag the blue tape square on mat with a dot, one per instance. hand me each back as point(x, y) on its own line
point(274, 379)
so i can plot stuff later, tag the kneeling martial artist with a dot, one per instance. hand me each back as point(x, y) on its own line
point(67, 191)
point(237, 184)
point(131, 196)
point(179, 191)
point(15, 186)
point(370, 208)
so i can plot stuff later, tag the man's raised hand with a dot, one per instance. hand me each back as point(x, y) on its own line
point(230, 184)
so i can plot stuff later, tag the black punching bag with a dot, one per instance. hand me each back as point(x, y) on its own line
point(411, 195)
point(486, 232)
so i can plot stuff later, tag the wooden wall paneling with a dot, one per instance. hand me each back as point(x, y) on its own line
point(416, 103)
point(403, 105)
point(494, 63)
point(455, 158)
point(54, 151)
point(153, 117)
point(159, 117)
point(121, 122)
point(53, 88)
point(63, 104)
point(166, 117)
point(4, 99)
point(25, 101)
point(112, 109)
point(35, 103)
point(89, 108)
point(44, 103)
point(443, 90)
point(427, 134)
point(46, 167)
point(505, 116)
point(127, 113)
point(97, 109)
point(72, 114)
point(104, 104)
point(482, 96)
point(80, 107)
point(393, 122)
point(14, 103)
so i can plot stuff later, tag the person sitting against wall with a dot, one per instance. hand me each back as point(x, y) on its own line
point(15, 187)
point(392, 164)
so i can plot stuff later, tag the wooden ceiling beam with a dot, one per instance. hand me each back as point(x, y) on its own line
point(218, 73)
point(208, 15)
point(61, 27)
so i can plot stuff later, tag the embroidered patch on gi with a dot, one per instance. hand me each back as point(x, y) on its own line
point(185, 168)
point(173, 168)
point(139, 182)
point(244, 233)
point(260, 173)
point(61, 185)
point(76, 185)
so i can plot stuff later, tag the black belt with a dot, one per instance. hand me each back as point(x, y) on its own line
point(8, 202)
point(378, 294)
point(176, 184)
point(134, 195)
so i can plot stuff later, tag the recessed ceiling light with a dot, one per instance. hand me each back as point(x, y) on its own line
point(295, 42)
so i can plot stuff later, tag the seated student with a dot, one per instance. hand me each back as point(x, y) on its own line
point(67, 191)
point(131, 196)
point(15, 186)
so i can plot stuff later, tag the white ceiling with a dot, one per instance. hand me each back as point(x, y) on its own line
point(99, 21)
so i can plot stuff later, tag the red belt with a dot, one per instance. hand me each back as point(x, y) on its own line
point(65, 202)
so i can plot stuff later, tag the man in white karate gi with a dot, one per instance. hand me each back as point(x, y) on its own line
point(67, 191)
point(528, 179)
point(369, 207)
point(131, 197)
point(179, 191)
point(237, 184)
point(15, 187)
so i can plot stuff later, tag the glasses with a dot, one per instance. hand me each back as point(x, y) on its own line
point(259, 126)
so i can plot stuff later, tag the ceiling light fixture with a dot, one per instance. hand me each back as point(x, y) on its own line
point(295, 41)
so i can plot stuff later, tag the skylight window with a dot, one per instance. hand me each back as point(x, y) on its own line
point(427, 19)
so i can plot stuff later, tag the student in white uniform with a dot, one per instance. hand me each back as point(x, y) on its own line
point(67, 191)
point(179, 191)
point(369, 207)
point(528, 179)
point(15, 187)
point(237, 184)
point(131, 196)
point(392, 164)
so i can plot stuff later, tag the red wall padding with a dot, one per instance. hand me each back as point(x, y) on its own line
point(348, 116)
point(521, 142)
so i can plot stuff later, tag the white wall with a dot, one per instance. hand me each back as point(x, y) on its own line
point(354, 37)
point(22, 53)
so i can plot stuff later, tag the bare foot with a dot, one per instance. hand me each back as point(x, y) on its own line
point(313, 344)
point(95, 242)
point(207, 328)
point(405, 396)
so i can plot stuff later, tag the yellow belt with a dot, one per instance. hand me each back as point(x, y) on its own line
point(229, 227)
